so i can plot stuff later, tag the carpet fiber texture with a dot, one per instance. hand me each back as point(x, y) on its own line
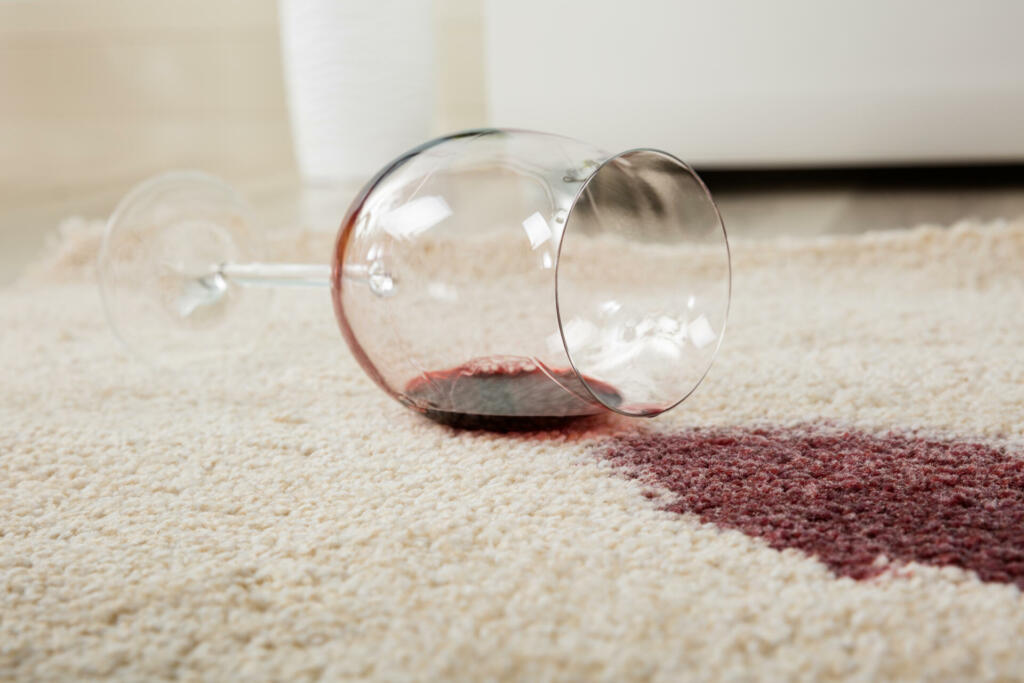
point(840, 500)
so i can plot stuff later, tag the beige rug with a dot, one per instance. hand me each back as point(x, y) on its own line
point(278, 518)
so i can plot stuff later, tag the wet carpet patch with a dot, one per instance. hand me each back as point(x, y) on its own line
point(858, 502)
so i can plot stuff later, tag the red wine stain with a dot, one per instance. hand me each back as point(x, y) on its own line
point(505, 394)
point(846, 497)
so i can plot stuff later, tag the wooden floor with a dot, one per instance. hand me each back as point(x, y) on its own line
point(812, 202)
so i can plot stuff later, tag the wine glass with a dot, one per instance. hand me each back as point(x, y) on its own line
point(498, 279)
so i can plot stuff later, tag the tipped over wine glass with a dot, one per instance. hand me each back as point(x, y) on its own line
point(495, 279)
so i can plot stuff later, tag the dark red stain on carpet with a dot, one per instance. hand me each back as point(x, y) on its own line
point(846, 497)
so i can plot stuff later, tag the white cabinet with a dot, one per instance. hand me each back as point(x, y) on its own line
point(751, 83)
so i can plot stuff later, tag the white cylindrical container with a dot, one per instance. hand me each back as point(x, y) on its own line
point(360, 82)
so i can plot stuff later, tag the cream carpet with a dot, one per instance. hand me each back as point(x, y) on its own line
point(276, 517)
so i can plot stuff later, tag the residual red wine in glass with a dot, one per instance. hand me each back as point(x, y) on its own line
point(493, 279)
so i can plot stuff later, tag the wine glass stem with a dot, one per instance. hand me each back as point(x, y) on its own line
point(277, 274)
point(373, 276)
point(288, 274)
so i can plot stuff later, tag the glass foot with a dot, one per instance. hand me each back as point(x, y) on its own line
point(159, 265)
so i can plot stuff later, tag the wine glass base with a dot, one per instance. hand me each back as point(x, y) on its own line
point(158, 269)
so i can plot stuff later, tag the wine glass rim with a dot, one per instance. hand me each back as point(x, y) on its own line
point(728, 260)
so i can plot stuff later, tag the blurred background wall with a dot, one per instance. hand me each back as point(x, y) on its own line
point(103, 93)
point(108, 91)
